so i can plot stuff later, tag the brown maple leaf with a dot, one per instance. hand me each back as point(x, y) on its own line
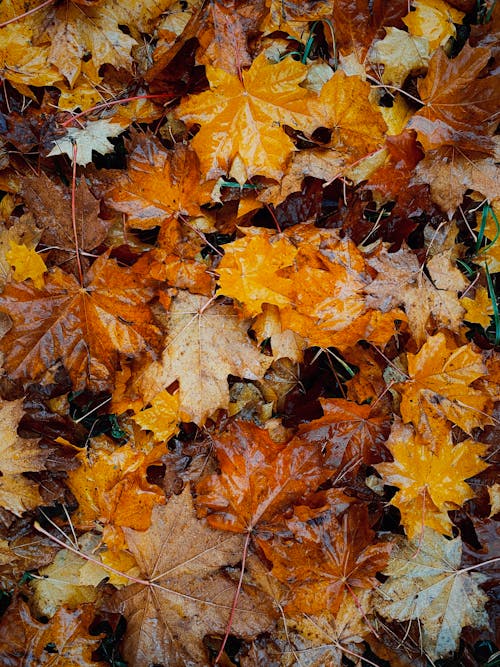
point(184, 595)
point(350, 434)
point(460, 108)
point(326, 557)
point(50, 204)
point(401, 281)
point(62, 642)
point(88, 327)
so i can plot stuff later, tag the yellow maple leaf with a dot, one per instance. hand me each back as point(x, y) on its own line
point(241, 121)
point(438, 389)
point(27, 263)
point(430, 483)
point(479, 309)
point(433, 19)
point(162, 418)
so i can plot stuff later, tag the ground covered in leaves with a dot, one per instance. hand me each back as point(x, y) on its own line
point(249, 260)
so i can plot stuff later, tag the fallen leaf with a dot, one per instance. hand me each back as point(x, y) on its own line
point(259, 478)
point(241, 133)
point(402, 281)
point(162, 418)
point(430, 482)
point(327, 557)
point(188, 595)
point(62, 642)
point(159, 185)
point(206, 343)
point(401, 54)
point(87, 327)
point(425, 584)
point(111, 488)
point(459, 107)
point(27, 264)
point(343, 106)
point(93, 137)
point(438, 388)
point(433, 19)
point(17, 456)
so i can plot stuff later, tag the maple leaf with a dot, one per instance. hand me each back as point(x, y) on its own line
point(50, 204)
point(162, 418)
point(460, 108)
point(450, 171)
point(293, 17)
point(241, 133)
point(348, 433)
point(327, 557)
point(112, 488)
point(438, 388)
point(87, 327)
point(478, 309)
point(224, 33)
point(82, 30)
point(27, 264)
point(93, 137)
point(259, 478)
point(206, 342)
point(343, 106)
point(177, 260)
point(249, 271)
point(22, 62)
point(22, 232)
point(434, 20)
point(319, 291)
point(401, 54)
point(17, 455)
point(426, 584)
point(62, 642)
point(159, 185)
point(402, 281)
point(188, 596)
point(69, 580)
point(431, 482)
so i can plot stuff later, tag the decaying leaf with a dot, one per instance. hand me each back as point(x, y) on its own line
point(87, 327)
point(17, 456)
point(426, 584)
point(62, 642)
point(188, 595)
point(206, 342)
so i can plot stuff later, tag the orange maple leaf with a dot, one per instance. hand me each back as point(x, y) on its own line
point(111, 488)
point(159, 185)
point(327, 557)
point(259, 478)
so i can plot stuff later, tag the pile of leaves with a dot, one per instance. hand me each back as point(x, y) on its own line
point(249, 264)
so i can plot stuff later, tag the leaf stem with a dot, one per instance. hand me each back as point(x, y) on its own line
point(235, 599)
point(110, 103)
point(22, 16)
point(73, 214)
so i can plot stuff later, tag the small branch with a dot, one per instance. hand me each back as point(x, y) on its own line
point(22, 16)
